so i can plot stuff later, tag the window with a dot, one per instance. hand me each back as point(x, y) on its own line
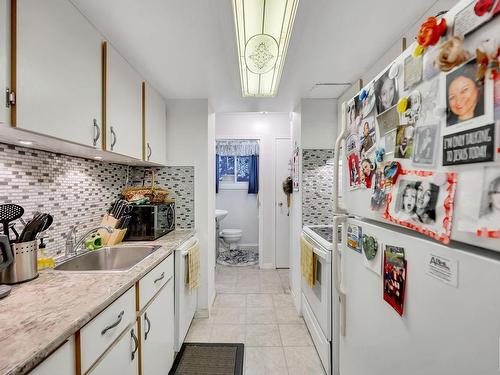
point(234, 170)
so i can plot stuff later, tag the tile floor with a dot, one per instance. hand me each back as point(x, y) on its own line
point(254, 307)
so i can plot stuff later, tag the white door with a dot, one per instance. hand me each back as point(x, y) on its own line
point(282, 218)
point(445, 329)
point(4, 65)
point(156, 126)
point(59, 81)
point(122, 358)
point(157, 340)
point(123, 106)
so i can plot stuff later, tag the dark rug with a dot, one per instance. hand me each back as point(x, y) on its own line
point(209, 359)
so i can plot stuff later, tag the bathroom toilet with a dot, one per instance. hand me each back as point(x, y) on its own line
point(232, 237)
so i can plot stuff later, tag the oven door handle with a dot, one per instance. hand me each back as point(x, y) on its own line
point(336, 266)
point(185, 252)
point(323, 254)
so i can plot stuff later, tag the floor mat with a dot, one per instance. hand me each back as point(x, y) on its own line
point(238, 258)
point(209, 359)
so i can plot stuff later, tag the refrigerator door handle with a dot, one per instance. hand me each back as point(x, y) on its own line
point(336, 158)
point(337, 282)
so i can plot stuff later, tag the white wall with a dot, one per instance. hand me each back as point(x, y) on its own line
point(318, 123)
point(243, 213)
point(190, 137)
point(266, 128)
point(388, 56)
point(296, 215)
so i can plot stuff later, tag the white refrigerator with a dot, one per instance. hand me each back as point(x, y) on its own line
point(447, 319)
point(445, 329)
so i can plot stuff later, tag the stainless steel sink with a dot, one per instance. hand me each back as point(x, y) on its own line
point(120, 258)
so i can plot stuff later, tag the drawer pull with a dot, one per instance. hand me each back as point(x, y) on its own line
point(111, 326)
point(162, 276)
point(149, 326)
point(136, 343)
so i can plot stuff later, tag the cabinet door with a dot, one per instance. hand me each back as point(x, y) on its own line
point(59, 80)
point(62, 361)
point(157, 340)
point(155, 127)
point(123, 106)
point(122, 358)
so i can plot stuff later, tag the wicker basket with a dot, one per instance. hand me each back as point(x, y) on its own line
point(155, 194)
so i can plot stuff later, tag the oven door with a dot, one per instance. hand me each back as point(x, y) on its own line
point(319, 297)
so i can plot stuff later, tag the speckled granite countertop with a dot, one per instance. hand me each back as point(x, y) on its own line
point(38, 316)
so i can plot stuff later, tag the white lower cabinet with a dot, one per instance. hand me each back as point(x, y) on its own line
point(62, 361)
point(157, 338)
point(122, 358)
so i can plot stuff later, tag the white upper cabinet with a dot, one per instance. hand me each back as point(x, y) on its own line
point(155, 126)
point(59, 79)
point(123, 106)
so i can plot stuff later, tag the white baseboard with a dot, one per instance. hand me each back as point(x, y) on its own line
point(297, 302)
point(267, 266)
point(201, 313)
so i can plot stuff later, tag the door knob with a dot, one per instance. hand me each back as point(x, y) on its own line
point(280, 204)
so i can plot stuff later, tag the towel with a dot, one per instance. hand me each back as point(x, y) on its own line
point(193, 273)
point(307, 262)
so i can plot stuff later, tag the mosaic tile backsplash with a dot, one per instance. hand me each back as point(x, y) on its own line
point(180, 182)
point(317, 185)
point(77, 191)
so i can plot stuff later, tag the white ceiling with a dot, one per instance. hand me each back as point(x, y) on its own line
point(186, 48)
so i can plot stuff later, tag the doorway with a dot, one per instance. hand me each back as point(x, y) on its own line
point(283, 147)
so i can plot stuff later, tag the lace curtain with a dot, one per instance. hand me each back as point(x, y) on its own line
point(237, 148)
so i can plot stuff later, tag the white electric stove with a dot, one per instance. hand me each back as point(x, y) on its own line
point(317, 301)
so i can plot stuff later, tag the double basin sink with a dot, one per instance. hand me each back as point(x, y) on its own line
point(119, 258)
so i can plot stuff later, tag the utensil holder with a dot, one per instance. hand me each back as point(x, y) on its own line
point(24, 266)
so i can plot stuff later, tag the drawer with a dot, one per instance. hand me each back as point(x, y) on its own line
point(150, 284)
point(103, 330)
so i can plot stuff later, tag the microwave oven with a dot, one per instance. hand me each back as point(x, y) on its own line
point(150, 221)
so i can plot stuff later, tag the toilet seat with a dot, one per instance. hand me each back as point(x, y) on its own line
point(231, 232)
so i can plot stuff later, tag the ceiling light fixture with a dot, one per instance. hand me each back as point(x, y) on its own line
point(25, 142)
point(263, 30)
point(98, 157)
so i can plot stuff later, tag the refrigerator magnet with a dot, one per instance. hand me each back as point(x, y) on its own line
point(423, 201)
point(370, 246)
point(354, 170)
point(395, 277)
point(488, 218)
point(354, 237)
point(378, 199)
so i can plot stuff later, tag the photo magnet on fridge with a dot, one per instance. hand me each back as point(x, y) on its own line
point(354, 237)
point(413, 71)
point(489, 213)
point(354, 171)
point(423, 201)
point(395, 277)
point(469, 101)
point(424, 147)
point(471, 17)
point(470, 146)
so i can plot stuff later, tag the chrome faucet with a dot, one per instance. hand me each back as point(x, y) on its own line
point(72, 244)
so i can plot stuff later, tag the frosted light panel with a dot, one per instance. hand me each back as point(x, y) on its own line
point(263, 29)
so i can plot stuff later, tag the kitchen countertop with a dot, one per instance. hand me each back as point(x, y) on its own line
point(38, 316)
